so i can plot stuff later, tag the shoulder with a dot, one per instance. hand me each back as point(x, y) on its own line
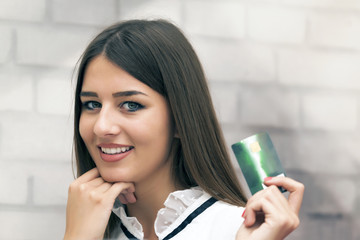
point(223, 215)
point(194, 214)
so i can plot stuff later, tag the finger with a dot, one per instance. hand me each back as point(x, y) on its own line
point(295, 188)
point(130, 197)
point(118, 187)
point(122, 199)
point(260, 194)
point(272, 195)
point(88, 176)
point(95, 182)
point(254, 209)
point(103, 187)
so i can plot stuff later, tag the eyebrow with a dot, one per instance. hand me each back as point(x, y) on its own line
point(117, 94)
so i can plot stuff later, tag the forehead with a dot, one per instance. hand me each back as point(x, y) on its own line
point(101, 74)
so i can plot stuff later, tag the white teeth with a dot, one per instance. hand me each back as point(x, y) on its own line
point(115, 150)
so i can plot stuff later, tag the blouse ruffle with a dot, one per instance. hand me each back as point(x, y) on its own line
point(176, 205)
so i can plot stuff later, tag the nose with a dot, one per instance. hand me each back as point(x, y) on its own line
point(106, 123)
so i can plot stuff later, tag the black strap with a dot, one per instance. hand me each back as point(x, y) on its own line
point(191, 217)
point(186, 222)
point(127, 233)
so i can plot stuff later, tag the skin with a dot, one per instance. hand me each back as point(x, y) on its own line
point(141, 121)
point(269, 215)
point(142, 179)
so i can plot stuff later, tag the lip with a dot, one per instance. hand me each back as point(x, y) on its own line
point(112, 145)
point(113, 157)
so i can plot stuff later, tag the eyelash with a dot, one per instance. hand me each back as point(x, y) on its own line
point(87, 106)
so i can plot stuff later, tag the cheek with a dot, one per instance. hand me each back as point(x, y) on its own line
point(162, 130)
point(84, 128)
point(153, 130)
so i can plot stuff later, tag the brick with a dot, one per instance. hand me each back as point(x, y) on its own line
point(50, 47)
point(23, 10)
point(331, 4)
point(319, 69)
point(335, 30)
point(225, 101)
point(339, 186)
point(228, 23)
point(326, 227)
point(322, 191)
point(51, 184)
point(276, 24)
point(329, 112)
point(322, 213)
point(28, 225)
point(93, 12)
point(355, 228)
point(270, 107)
point(13, 184)
point(321, 153)
point(322, 196)
point(233, 61)
point(16, 92)
point(153, 9)
point(54, 96)
point(35, 138)
point(5, 43)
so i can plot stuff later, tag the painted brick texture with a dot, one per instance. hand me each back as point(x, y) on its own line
point(288, 67)
point(23, 10)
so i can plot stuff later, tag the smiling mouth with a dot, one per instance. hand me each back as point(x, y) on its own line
point(113, 151)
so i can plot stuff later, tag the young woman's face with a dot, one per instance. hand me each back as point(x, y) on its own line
point(125, 124)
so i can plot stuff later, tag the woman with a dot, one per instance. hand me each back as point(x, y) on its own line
point(151, 159)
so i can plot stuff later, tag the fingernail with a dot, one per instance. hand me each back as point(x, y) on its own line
point(243, 214)
point(267, 179)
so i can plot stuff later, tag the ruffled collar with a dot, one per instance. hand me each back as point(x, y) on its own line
point(178, 206)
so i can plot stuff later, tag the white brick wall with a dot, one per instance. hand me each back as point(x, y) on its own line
point(13, 184)
point(276, 24)
point(5, 43)
point(32, 224)
point(54, 96)
point(271, 107)
point(16, 92)
point(288, 67)
point(51, 183)
point(335, 30)
point(322, 154)
point(90, 12)
point(23, 10)
point(35, 138)
point(322, 4)
point(226, 110)
point(151, 9)
point(216, 19)
point(330, 112)
point(226, 60)
point(50, 46)
point(319, 68)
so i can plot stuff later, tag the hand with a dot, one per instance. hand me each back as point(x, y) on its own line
point(269, 215)
point(90, 202)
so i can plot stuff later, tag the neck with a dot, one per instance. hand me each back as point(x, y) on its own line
point(150, 197)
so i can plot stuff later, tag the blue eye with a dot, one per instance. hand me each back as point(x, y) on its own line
point(132, 106)
point(91, 105)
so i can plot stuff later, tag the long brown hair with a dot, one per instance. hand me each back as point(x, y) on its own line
point(158, 54)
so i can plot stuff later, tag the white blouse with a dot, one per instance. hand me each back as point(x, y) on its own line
point(188, 214)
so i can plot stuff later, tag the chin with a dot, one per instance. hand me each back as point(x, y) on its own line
point(112, 176)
